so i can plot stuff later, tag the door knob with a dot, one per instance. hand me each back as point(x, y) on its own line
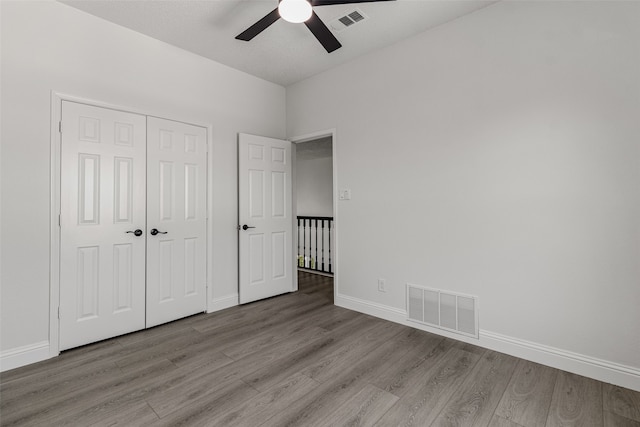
point(137, 232)
point(155, 231)
point(246, 227)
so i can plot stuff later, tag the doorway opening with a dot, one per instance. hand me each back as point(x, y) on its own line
point(315, 226)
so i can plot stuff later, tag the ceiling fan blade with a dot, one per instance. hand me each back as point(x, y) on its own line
point(332, 2)
point(259, 26)
point(322, 33)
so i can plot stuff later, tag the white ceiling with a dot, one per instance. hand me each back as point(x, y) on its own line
point(284, 53)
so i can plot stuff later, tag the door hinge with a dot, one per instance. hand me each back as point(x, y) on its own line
point(58, 312)
point(60, 126)
point(59, 221)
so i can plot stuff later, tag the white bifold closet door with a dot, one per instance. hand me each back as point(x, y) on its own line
point(103, 203)
point(176, 210)
point(122, 176)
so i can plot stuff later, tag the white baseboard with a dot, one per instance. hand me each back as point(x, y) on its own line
point(221, 303)
point(21, 356)
point(371, 308)
point(601, 370)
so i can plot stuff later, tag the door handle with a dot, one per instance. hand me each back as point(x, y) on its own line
point(155, 231)
point(246, 227)
point(137, 232)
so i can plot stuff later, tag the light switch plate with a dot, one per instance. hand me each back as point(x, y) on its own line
point(345, 194)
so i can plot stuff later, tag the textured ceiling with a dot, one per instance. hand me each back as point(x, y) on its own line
point(284, 53)
point(316, 149)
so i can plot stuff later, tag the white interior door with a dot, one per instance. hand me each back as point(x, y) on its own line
point(176, 210)
point(266, 223)
point(102, 260)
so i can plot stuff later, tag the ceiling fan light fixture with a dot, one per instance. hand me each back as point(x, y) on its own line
point(295, 11)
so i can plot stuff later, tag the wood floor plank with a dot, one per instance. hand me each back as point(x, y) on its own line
point(622, 401)
point(615, 420)
point(238, 349)
point(475, 401)
point(197, 360)
point(306, 363)
point(68, 360)
point(300, 359)
point(128, 414)
point(577, 401)
point(167, 395)
point(528, 396)
point(267, 404)
point(207, 356)
point(363, 409)
point(70, 382)
point(55, 406)
point(336, 318)
point(351, 352)
point(259, 315)
point(236, 333)
point(431, 389)
point(498, 421)
point(407, 372)
point(159, 350)
point(161, 331)
point(288, 365)
point(312, 409)
point(200, 411)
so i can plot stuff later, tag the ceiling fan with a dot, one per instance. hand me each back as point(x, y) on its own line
point(298, 11)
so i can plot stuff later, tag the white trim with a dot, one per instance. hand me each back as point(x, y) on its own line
point(25, 355)
point(334, 255)
point(54, 224)
point(372, 308)
point(602, 370)
point(209, 232)
point(294, 215)
point(54, 206)
point(217, 304)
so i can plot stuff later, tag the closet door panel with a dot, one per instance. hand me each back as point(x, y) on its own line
point(176, 220)
point(103, 198)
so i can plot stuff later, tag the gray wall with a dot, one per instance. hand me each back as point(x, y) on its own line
point(49, 46)
point(314, 178)
point(497, 155)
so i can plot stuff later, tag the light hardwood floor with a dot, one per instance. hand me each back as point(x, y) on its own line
point(297, 360)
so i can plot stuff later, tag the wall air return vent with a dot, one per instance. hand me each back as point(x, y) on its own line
point(444, 310)
point(343, 22)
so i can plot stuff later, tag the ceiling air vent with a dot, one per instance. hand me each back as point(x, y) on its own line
point(348, 20)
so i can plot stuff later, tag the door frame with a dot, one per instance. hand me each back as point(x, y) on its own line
point(54, 203)
point(306, 138)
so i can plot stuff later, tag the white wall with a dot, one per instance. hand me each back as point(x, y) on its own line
point(49, 46)
point(314, 186)
point(497, 155)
